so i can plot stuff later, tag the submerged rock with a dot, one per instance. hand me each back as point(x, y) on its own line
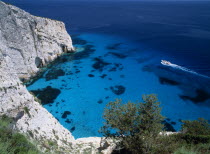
point(91, 75)
point(85, 53)
point(118, 55)
point(99, 64)
point(65, 114)
point(72, 129)
point(168, 81)
point(103, 76)
point(114, 46)
point(46, 95)
point(68, 121)
point(201, 96)
point(118, 89)
point(54, 74)
point(100, 101)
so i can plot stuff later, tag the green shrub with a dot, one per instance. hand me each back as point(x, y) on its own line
point(12, 142)
point(27, 111)
point(184, 150)
point(196, 127)
point(137, 125)
point(195, 139)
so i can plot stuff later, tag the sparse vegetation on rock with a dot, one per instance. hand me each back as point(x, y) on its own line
point(12, 142)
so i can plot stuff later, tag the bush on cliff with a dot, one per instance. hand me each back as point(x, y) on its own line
point(196, 127)
point(137, 125)
point(12, 142)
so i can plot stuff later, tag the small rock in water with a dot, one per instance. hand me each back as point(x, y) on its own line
point(72, 129)
point(118, 89)
point(99, 64)
point(68, 121)
point(78, 71)
point(113, 69)
point(103, 76)
point(106, 97)
point(65, 114)
point(91, 75)
point(100, 101)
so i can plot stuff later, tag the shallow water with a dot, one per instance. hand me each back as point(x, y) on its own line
point(124, 44)
point(117, 68)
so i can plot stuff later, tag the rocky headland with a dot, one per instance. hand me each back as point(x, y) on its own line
point(28, 43)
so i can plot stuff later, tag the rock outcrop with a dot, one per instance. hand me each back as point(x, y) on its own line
point(30, 41)
point(27, 43)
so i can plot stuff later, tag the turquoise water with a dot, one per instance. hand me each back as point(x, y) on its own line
point(124, 44)
point(113, 67)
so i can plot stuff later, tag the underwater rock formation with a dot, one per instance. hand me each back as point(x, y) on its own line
point(46, 95)
point(118, 89)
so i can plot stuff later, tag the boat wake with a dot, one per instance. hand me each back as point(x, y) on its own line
point(167, 63)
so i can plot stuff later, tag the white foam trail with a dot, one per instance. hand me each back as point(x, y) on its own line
point(166, 63)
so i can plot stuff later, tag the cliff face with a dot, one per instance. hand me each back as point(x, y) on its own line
point(30, 41)
point(27, 43)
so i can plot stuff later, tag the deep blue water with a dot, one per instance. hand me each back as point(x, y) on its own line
point(178, 29)
point(128, 41)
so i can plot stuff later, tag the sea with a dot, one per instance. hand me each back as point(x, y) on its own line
point(120, 46)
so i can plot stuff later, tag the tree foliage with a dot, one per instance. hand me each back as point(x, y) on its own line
point(196, 127)
point(135, 124)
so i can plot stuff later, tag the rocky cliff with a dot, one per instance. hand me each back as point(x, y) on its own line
point(26, 44)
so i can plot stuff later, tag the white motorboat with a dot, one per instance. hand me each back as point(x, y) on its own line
point(164, 62)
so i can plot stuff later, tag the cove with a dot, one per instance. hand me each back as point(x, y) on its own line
point(107, 67)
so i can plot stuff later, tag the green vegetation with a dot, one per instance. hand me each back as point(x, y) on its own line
point(27, 111)
point(196, 127)
point(12, 142)
point(137, 126)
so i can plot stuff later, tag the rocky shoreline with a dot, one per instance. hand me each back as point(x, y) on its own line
point(28, 43)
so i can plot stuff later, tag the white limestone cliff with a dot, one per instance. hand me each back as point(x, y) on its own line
point(27, 43)
point(30, 41)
